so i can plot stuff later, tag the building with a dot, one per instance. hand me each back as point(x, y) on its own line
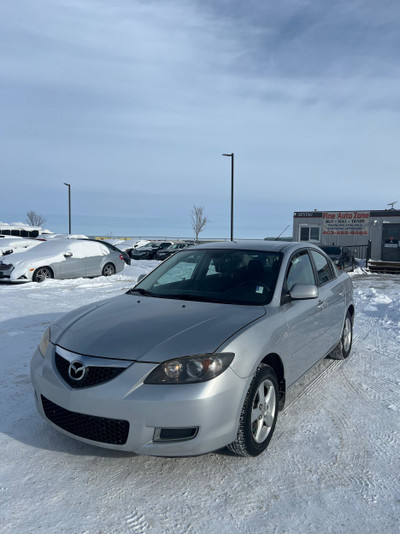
point(371, 234)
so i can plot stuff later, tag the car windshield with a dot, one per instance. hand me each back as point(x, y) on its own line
point(226, 276)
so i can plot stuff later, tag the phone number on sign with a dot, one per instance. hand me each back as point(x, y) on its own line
point(344, 232)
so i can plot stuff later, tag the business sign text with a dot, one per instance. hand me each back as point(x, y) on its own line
point(345, 223)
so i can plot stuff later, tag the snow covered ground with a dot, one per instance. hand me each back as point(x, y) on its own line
point(332, 465)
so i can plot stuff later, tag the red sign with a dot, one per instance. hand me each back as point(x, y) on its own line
point(354, 223)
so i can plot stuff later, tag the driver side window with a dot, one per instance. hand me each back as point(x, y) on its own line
point(300, 271)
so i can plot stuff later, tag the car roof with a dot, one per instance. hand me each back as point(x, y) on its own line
point(252, 244)
point(56, 246)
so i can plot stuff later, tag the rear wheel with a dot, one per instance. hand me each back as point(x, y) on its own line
point(259, 414)
point(42, 273)
point(108, 269)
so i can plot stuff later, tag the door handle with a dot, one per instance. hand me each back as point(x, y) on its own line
point(322, 305)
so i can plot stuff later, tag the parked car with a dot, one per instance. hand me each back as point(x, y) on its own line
point(149, 251)
point(112, 247)
point(199, 354)
point(8, 245)
point(128, 245)
point(46, 236)
point(164, 253)
point(341, 257)
point(61, 258)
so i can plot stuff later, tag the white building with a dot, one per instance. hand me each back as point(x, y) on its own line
point(20, 229)
point(370, 233)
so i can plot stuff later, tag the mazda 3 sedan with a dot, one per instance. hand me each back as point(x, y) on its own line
point(199, 354)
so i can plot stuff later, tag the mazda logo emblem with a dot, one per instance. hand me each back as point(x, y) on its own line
point(76, 370)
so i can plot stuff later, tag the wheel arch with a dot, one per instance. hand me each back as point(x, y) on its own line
point(43, 267)
point(351, 311)
point(110, 262)
point(274, 361)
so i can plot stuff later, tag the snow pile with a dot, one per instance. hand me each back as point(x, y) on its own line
point(376, 302)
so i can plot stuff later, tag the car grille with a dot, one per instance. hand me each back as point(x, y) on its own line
point(93, 376)
point(5, 266)
point(113, 431)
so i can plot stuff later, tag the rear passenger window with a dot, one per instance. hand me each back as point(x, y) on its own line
point(324, 269)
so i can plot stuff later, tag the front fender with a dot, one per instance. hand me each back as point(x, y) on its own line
point(267, 335)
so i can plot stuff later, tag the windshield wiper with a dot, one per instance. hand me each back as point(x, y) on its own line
point(140, 291)
point(198, 298)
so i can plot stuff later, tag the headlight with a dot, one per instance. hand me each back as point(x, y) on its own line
point(190, 369)
point(44, 342)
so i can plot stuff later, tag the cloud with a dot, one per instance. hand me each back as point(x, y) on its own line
point(130, 98)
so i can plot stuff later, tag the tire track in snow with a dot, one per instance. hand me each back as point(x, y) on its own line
point(170, 524)
point(315, 383)
point(349, 465)
point(362, 331)
point(137, 523)
point(353, 460)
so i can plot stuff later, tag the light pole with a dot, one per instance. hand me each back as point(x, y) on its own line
point(69, 207)
point(232, 156)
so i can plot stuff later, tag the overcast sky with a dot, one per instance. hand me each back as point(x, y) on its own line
point(133, 102)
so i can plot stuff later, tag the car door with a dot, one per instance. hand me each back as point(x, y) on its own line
point(96, 257)
point(331, 299)
point(303, 318)
point(73, 264)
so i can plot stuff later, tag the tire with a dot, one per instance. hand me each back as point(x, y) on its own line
point(343, 349)
point(42, 273)
point(108, 269)
point(259, 414)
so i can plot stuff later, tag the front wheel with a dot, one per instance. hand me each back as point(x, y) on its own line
point(41, 274)
point(259, 414)
point(108, 269)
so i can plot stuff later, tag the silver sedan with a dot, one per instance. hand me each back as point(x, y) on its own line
point(61, 258)
point(199, 354)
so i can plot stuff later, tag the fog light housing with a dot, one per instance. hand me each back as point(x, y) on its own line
point(175, 434)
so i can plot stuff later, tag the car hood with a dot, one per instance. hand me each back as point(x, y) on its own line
point(150, 329)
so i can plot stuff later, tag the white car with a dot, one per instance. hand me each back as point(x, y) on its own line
point(61, 258)
point(11, 244)
point(129, 244)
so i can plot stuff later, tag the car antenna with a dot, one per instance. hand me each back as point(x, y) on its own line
point(276, 238)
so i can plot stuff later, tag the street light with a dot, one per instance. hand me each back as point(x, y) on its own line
point(69, 207)
point(232, 156)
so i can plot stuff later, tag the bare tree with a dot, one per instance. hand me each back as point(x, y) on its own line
point(198, 221)
point(34, 219)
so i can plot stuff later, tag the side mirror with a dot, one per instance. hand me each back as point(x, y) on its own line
point(140, 277)
point(67, 254)
point(303, 292)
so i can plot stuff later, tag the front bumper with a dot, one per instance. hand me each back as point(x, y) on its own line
point(12, 274)
point(208, 412)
